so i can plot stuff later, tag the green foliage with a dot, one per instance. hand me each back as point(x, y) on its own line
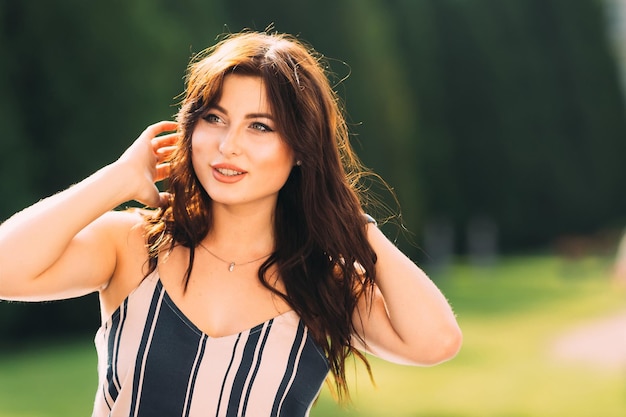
point(509, 110)
point(22, 323)
point(521, 117)
point(82, 79)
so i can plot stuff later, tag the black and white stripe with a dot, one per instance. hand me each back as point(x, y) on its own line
point(161, 364)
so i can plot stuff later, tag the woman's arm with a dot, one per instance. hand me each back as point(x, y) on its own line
point(409, 320)
point(63, 246)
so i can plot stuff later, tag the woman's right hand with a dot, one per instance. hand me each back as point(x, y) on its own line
point(147, 162)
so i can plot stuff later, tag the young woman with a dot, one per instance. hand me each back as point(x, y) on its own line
point(256, 275)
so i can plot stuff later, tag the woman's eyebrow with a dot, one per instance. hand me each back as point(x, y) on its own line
point(248, 116)
point(259, 116)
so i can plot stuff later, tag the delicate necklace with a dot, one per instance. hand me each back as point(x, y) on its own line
point(231, 264)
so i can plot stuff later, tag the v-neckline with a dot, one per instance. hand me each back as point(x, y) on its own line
point(289, 316)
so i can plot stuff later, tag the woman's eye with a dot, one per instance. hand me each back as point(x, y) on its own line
point(212, 118)
point(261, 127)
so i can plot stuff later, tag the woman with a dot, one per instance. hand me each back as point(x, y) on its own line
point(258, 273)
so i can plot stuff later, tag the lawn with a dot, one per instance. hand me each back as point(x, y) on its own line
point(511, 314)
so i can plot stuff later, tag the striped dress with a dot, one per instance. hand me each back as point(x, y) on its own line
point(152, 361)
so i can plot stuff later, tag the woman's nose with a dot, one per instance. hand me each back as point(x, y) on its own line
point(230, 143)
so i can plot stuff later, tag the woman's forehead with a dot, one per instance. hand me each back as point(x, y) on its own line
point(244, 93)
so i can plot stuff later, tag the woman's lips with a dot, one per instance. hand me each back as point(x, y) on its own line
point(228, 173)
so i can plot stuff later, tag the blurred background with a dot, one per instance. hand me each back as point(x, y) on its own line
point(500, 125)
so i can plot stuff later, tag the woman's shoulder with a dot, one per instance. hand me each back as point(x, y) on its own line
point(128, 215)
point(127, 229)
point(123, 222)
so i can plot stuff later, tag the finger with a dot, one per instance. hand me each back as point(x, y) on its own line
point(165, 140)
point(166, 149)
point(158, 128)
point(162, 172)
point(165, 153)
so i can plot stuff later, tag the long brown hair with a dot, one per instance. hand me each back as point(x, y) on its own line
point(321, 250)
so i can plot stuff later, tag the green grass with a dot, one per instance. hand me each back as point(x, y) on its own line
point(510, 313)
point(48, 380)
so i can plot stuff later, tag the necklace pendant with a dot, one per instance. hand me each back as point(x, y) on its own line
point(231, 267)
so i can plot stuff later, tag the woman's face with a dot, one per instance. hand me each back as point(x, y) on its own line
point(236, 151)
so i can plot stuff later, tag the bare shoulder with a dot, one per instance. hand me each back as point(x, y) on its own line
point(127, 229)
point(122, 220)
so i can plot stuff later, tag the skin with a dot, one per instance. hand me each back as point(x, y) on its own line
point(72, 244)
point(238, 137)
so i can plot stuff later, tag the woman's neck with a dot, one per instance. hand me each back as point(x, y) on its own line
point(240, 234)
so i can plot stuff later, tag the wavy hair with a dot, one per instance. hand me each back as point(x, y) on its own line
point(321, 250)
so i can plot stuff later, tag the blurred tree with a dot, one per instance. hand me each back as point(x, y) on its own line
point(521, 118)
point(82, 79)
point(509, 111)
point(79, 82)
